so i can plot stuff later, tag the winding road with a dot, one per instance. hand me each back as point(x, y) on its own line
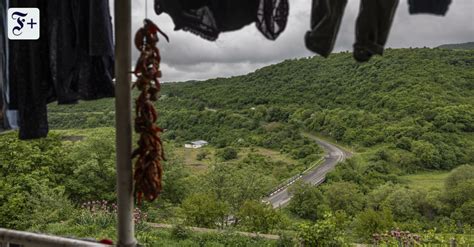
point(316, 176)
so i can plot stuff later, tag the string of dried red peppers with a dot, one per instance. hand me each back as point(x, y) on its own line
point(149, 154)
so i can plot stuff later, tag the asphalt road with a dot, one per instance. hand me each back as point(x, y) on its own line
point(333, 155)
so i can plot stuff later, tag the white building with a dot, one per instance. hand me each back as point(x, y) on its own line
point(196, 144)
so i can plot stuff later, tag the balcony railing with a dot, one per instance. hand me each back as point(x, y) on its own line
point(11, 238)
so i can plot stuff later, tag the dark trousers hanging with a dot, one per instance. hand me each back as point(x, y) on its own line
point(326, 17)
point(373, 27)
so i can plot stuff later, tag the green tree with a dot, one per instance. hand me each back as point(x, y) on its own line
point(465, 213)
point(255, 216)
point(95, 167)
point(459, 185)
point(404, 143)
point(427, 154)
point(401, 203)
point(204, 210)
point(275, 114)
point(307, 201)
point(326, 232)
point(344, 196)
point(175, 182)
point(227, 154)
point(369, 222)
point(377, 196)
point(235, 186)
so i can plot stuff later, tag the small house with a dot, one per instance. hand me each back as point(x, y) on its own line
point(196, 144)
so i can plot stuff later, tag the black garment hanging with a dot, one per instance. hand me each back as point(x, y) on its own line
point(81, 50)
point(326, 19)
point(8, 120)
point(436, 7)
point(10, 117)
point(72, 60)
point(3, 62)
point(208, 18)
point(29, 75)
point(373, 27)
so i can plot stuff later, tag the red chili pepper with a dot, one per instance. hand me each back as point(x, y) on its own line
point(150, 153)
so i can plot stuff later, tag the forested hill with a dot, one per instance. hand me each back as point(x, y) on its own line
point(463, 46)
point(418, 101)
point(428, 77)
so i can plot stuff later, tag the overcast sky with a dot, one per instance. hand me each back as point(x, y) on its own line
point(188, 57)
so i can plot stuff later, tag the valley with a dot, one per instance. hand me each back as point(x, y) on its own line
point(390, 143)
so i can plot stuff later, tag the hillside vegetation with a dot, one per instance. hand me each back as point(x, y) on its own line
point(463, 46)
point(409, 116)
point(418, 102)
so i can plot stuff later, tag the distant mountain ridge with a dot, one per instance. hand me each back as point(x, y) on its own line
point(462, 46)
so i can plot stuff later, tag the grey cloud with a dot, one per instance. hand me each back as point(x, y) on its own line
point(188, 57)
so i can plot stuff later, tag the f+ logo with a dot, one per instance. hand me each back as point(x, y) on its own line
point(23, 23)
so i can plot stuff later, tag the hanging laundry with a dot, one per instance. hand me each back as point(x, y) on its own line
point(81, 45)
point(373, 27)
point(28, 73)
point(436, 7)
point(326, 19)
point(72, 60)
point(3, 61)
point(272, 16)
point(9, 117)
point(208, 18)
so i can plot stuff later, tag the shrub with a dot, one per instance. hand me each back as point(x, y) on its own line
point(227, 154)
point(204, 210)
point(202, 155)
point(370, 222)
point(344, 196)
point(180, 232)
point(255, 216)
point(459, 185)
point(307, 201)
point(326, 232)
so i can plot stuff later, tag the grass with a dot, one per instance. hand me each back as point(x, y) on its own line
point(270, 154)
point(189, 157)
point(428, 180)
point(85, 132)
